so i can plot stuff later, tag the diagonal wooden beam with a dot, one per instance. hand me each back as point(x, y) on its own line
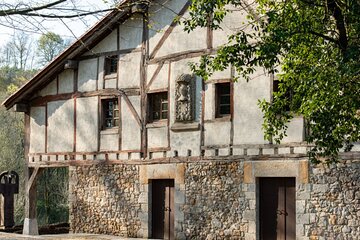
point(32, 179)
point(132, 109)
point(170, 29)
point(156, 73)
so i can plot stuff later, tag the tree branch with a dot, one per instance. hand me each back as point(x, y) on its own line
point(330, 39)
point(66, 16)
point(27, 10)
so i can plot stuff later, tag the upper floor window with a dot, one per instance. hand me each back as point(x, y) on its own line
point(110, 110)
point(111, 64)
point(223, 99)
point(158, 106)
point(287, 95)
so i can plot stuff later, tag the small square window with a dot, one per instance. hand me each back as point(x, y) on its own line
point(111, 64)
point(288, 95)
point(110, 113)
point(158, 106)
point(223, 99)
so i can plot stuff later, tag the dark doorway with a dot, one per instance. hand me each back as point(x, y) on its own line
point(163, 209)
point(277, 208)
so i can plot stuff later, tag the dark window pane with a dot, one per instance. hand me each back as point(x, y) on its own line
point(158, 106)
point(164, 115)
point(223, 99)
point(110, 112)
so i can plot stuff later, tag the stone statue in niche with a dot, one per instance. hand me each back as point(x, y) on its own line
point(185, 98)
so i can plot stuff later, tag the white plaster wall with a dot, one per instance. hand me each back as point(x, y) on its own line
point(131, 32)
point(37, 130)
point(180, 41)
point(248, 117)
point(217, 133)
point(157, 137)
point(232, 23)
point(109, 141)
point(209, 112)
point(162, 13)
point(131, 134)
point(184, 141)
point(86, 124)
point(66, 81)
point(108, 44)
point(129, 70)
point(101, 72)
point(60, 126)
point(161, 80)
point(50, 89)
point(178, 68)
point(87, 75)
point(295, 131)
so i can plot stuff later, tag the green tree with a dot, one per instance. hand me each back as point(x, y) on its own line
point(316, 44)
point(49, 46)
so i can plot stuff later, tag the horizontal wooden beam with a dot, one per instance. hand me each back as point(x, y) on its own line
point(39, 101)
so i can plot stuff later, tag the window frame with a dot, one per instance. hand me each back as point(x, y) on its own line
point(218, 95)
point(108, 65)
point(164, 100)
point(114, 117)
point(288, 95)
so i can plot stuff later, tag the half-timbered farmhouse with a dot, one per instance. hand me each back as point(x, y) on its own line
point(154, 151)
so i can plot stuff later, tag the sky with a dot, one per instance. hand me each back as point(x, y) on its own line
point(66, 28)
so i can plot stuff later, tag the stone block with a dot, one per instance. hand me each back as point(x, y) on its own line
point(123, 156)
point(180, 197)
point(112, 156)
point(302, 218)
point(320, 188)
point(100, 156)
point(285, 150)
point(238, 151)
point(224, 152)
point(268, 151)
point(143, 197)
point(135, 156)
point(250, 236)
point(248, 173)
point(300, 150)
point(252, 227)
point(300, 206)
point(300, 231)
point(209, 152)
point(30, 226)
point(157, 155)
point(253, 151)
point(249, 215)
point(250, 195)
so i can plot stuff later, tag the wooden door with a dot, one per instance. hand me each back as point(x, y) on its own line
point(277, 209)
point(163, 209)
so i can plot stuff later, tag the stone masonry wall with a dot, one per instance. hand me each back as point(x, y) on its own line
point(104, 199)
point(333, 209)
point(214, 201)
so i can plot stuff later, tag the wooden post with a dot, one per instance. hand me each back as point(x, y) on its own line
point(30, 222)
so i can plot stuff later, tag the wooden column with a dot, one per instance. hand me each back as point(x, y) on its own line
point(30, 222)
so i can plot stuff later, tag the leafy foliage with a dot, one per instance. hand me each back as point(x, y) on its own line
point(316, 44)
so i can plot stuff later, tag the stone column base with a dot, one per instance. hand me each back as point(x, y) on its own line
point(30, 226)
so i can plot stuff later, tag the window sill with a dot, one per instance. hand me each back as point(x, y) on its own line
point(110, 76)
point(157, 124)
point(226, 118)
point(110, 131)
point(185, 127)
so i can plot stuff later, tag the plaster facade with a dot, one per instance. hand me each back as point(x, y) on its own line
point(215, 162)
